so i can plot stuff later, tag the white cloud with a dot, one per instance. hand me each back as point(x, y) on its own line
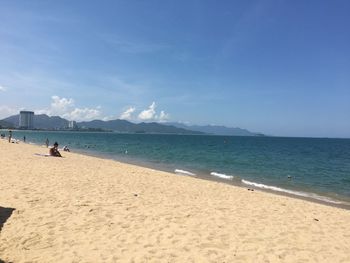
point(2, 88)
point(65, 108)
point(6, 111)
point(108, 118)
point(150, 114)
point(84, 114)
point(163, 116)
point(61, 105)
point(127, 115)
point(42, 111)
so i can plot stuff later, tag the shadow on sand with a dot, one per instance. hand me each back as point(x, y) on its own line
point(5, 213)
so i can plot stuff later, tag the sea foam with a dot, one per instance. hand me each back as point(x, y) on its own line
point(223, 176)
point(179, 171)
point(297, 193)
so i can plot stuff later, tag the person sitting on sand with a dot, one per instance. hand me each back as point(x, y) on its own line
point(54, 150)
point(66, 149)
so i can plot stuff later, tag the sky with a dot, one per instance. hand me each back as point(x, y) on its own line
point(277, 67)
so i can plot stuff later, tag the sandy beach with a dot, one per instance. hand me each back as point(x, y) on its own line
point(85, 209)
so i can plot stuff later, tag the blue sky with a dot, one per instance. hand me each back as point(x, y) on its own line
point(276, 67)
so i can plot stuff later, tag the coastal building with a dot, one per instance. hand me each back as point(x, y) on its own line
point(26, 119)
point(72, 124)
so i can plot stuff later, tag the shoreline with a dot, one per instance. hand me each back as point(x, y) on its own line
point(237, 181)
point(82, 208)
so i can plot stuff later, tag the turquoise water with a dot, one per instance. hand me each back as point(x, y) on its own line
point(318, 168)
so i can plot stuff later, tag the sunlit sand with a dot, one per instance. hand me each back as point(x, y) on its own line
point(85, 209)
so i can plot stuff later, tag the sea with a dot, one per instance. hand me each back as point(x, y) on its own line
point(316, 169)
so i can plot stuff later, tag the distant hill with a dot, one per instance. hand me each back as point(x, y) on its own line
point(13, 120)
point(41, 121)
point(5, 124)
point(114, 125)
point(45, 122)
point(126, 126)
point(57, 123)
point(216, 130)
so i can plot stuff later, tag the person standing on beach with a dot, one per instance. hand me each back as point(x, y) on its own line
point(47, 142)
point(10, 135)
point(24, 138)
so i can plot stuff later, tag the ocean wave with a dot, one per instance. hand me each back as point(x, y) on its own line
point(223, 176)
point(297, 193)
point(179, 171)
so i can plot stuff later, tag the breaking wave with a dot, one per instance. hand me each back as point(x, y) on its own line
point(291, 192)
point(179, 171)
point(223, 176)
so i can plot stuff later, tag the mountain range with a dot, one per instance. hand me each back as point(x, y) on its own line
point(129, 127)
point(5, 124)
point(216, 129)
point(43, 121)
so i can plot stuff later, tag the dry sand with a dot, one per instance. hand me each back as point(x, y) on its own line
point(86, 209)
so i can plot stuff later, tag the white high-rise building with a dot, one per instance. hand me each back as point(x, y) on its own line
point(26, 119)
point(72, 124)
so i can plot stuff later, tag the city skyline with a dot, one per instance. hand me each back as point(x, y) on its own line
point(279, 68)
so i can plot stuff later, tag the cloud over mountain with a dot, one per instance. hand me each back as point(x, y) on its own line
point(127, 114)
point(150, 114)
point(65, 107)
